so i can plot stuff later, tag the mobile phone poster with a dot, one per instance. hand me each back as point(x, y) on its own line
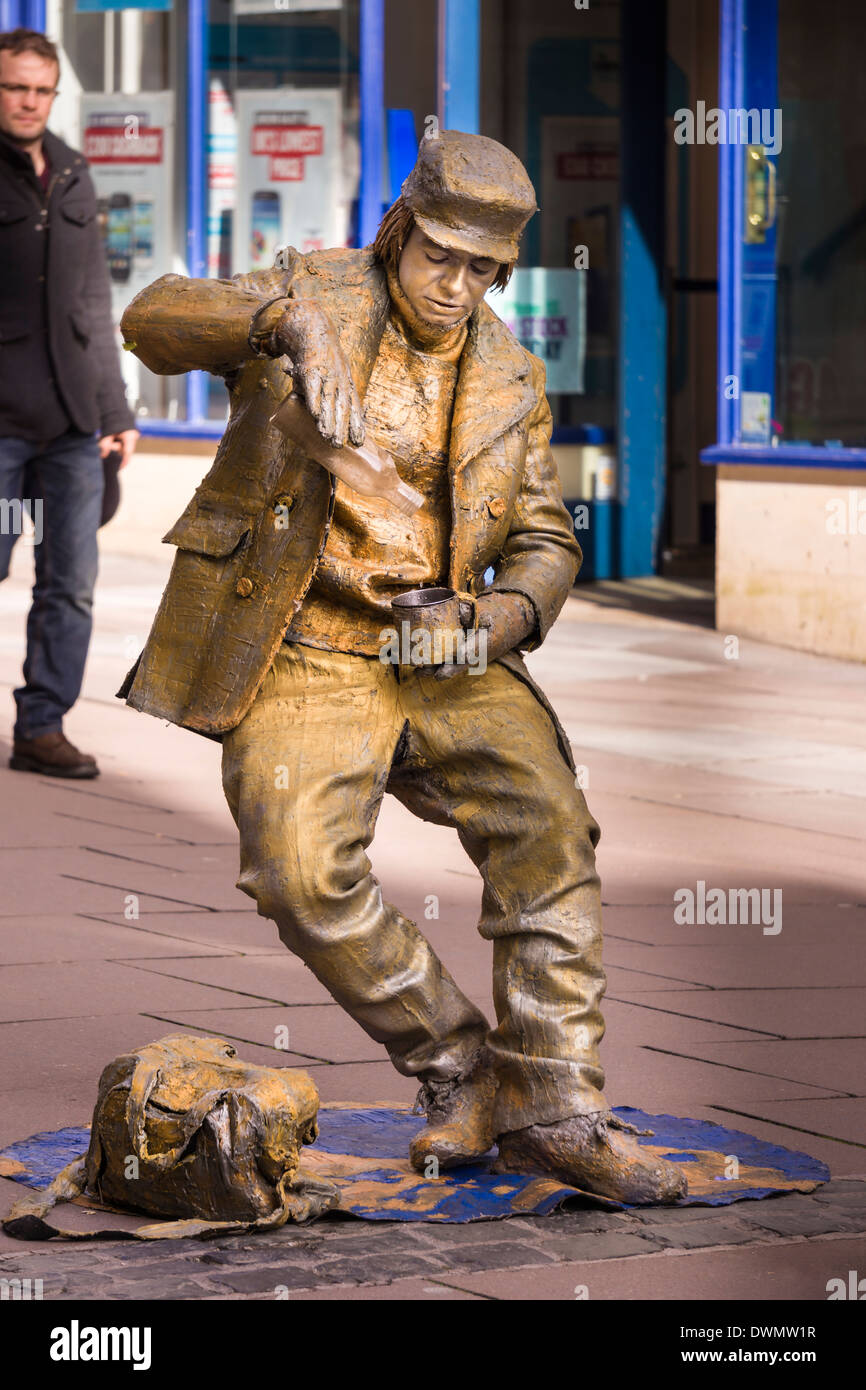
point(128, 142)
point(289, 175)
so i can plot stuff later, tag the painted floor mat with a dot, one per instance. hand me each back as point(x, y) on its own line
point(362, 1149)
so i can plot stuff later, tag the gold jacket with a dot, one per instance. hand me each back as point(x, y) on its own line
point(239, 576)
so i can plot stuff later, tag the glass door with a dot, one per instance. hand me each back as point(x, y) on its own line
point(792, 230)
point(760, 128)
point(820, 242)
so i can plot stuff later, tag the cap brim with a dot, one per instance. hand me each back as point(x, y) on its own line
point(472, 239)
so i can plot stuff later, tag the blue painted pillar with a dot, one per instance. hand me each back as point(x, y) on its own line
point(459, 75)
point(196, 175)
point(731, 62)
point(23, 14)
point(641, 386)
point(32, 14)
point(372, 118)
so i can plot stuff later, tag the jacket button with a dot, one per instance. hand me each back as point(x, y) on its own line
point(244, 587)
point(496, 506)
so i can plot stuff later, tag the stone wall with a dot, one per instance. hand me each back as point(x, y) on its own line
point(791, 557)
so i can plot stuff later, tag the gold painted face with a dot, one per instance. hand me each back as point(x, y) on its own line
point(443, 286)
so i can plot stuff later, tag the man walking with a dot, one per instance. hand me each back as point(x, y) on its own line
point(60, 384)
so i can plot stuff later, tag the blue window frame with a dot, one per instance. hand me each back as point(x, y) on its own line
point(777, 297)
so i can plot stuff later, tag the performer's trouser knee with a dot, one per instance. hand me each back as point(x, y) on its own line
point(305, 773)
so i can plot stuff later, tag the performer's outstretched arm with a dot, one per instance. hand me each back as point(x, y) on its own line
point(180, 325)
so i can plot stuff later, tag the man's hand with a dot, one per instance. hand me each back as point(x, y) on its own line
point(506, 619)
point(319, 371)
point(122, 443)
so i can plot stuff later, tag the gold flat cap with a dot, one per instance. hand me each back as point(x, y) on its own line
point(470, 193)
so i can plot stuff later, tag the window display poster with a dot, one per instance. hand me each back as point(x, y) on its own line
point(127, 141)
point(546, 312)
point(580, 197)
point(288, 174)
point(222, 149)
point(284, 6)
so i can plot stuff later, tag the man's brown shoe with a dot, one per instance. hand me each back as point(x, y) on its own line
point(593, 1152)
point(52, 755)
point(459, 1113)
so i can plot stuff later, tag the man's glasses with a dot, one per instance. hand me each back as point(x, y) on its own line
point(18, 89)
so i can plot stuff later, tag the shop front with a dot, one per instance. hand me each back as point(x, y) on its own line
point(695, 287)
point(790, 453)
point(220, 130)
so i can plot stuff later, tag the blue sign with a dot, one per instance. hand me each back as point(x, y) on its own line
point(104, 6)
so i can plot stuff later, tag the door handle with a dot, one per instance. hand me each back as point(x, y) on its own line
point(761, 200)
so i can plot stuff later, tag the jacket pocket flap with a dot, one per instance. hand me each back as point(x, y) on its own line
point(14, 212)
point(80, 325)
point(14, 329)
point(79, 212)
point(208, 533)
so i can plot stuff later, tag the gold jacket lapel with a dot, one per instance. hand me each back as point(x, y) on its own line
point(494, 393)
point(494, 389)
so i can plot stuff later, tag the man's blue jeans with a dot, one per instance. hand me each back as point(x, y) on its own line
point(60, 483)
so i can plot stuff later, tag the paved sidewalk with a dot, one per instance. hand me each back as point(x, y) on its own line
point(745, 772)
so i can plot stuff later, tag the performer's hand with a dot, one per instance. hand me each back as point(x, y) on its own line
point(319, 371)
point(504, 619)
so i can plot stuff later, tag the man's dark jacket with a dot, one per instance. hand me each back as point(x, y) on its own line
point(55, 302)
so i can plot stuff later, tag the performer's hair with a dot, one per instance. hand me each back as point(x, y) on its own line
point(394, 231)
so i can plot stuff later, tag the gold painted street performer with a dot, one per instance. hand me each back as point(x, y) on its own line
point(270, 633)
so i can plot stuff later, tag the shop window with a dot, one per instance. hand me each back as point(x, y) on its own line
point(117, 103)
point(283, 151)
point(820, 373)
point(793, 234)
point(551, 93)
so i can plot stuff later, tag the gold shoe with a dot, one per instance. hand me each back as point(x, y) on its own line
point(459, 1119)
point(593, 1152)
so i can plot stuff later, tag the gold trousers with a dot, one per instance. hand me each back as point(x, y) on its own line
point(304, 775)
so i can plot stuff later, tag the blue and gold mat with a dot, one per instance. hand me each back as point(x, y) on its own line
point(362, 1149)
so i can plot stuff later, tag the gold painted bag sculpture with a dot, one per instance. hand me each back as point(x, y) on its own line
point(183, 1128)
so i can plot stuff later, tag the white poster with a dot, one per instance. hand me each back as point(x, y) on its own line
point(546, 312)
point(580, 197)
point(222, 147)
point(288, 174)
point(283, 6)
point(128, 143)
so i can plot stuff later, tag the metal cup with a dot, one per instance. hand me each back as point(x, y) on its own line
point(429, 622)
